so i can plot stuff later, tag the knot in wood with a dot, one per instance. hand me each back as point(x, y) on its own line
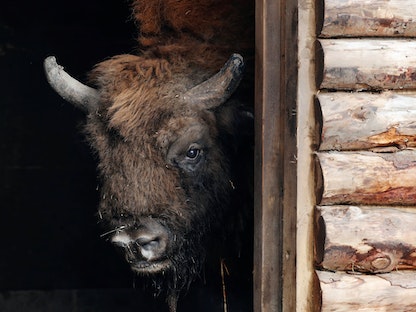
point(381, 263)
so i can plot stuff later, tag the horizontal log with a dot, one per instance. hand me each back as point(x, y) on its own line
point(342, 292)
point(371, 64)
point(365, 239)
point(363, 120)
point(354, 18)
point(366, 178)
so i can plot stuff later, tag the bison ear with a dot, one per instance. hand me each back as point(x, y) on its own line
point(70, 89)
point(217, 89)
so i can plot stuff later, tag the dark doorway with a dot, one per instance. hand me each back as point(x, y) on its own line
point(52, 256)
point(48, 174)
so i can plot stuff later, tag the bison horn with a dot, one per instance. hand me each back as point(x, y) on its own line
point(218, 89)
point(70, 89)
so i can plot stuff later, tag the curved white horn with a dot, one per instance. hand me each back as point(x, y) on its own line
point(218, 89)
point(70, 89)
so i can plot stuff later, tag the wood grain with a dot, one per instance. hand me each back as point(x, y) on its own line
point(342, 292)
point(366, 239)
point(363, 120)
point(367, 178)
point(353, 18)
point(371, 64)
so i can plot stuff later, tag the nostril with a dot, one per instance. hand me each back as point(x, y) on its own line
point(151, 239)
point(145, 240)
point(149, 244)
point(151, 248)
point(148, 241)
point(152, 245)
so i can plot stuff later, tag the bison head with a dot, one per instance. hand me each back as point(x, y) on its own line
point(164, 138)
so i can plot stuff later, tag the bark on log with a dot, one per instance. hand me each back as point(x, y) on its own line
point(367, 178)
point(371, 64)
point(357, 121)
point(372, 239)
point(342, 292)
point(369, 18)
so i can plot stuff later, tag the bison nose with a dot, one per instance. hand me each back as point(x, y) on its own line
point(152, 243)
point(147, 241)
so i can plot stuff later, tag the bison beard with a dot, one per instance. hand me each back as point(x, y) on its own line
point(173, 138)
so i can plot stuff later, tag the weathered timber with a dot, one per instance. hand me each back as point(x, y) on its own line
point(362, 120)
point(367, 178)
point(343, 292)
point(365, 239)
point(275, 137)
point(385, 18)
point(371, 64)
point(307, 294)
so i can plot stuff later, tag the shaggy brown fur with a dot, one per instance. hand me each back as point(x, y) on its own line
point(143, 129)
point(207, 32)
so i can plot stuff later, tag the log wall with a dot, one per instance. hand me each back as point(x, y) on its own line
point(357, 18)
point(366, 239)
point(367, 178)
point(382, 121)
point(371, 64)
point(365, 245)
point(343, 292)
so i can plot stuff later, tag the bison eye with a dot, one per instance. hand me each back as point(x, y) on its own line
point(187, 157)
point(193, 153)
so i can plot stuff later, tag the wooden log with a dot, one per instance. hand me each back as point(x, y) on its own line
point(354, 18)
point(365, 239)
point(362, 120)
point(342, 292)
point(371, 64)
point(367, 178)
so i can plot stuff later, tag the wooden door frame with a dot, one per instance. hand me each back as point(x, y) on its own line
point(275, 156)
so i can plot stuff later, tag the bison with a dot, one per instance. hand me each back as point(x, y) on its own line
point(172, 128)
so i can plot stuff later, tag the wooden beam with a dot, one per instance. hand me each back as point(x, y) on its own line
point(371, 64)
point(362, 120)
point(268, 162)
point(353, 18)
point(288, 106)
point(342, 292)
point(275, 168)
point(367, 178)
point(308, 296)
point(366, 239)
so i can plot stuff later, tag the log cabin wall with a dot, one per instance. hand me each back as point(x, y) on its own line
point(365, 247)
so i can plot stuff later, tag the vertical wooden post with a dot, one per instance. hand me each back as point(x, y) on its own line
point(268, 162)
point(288, 133)
point(307, 295)
point(275, 156)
